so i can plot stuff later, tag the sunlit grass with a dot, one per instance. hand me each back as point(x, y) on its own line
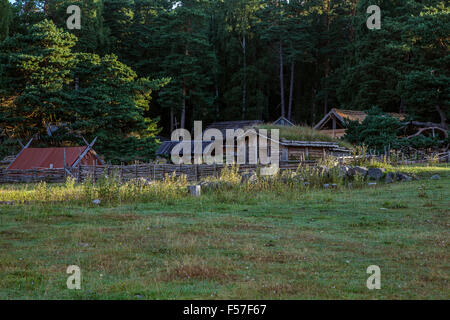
point(304, 133)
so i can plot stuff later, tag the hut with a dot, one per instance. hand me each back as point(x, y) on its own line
point(291, 150)
point(55, 158)
point(333, 124)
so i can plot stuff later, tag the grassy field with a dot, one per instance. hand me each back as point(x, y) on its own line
point(307, 244)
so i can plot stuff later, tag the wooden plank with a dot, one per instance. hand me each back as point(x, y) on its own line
point(84, 153)
point(26, 146)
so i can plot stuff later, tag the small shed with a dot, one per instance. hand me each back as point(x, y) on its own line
point(53, 158)
point(291, 150)
point(333, 124)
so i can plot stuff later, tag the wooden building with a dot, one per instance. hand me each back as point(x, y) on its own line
point(288, 150)
point(55, 158)
point(333, 124)
point(291, 150)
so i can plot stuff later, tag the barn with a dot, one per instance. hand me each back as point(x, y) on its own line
point(54, 158)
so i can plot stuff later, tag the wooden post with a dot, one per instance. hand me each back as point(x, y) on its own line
point(154, 172)
point(135, 170)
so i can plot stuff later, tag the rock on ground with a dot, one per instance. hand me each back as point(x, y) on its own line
point(375, 173)
point(390, 177)
point(195, 190)
point(402, 176)
point(361, 171)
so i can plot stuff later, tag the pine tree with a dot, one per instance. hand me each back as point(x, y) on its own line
point(108, 99)
point(5, 18)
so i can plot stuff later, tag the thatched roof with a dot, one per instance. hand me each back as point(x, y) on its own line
point(353, 115)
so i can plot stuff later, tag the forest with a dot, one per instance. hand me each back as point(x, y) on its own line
point(138, 69)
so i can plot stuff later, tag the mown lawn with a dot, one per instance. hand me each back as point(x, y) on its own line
point(313, 245)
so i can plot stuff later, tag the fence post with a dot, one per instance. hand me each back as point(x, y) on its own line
point(135, 170)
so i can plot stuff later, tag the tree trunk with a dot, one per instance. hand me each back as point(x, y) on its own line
point(442, 116)
point(244, 84)
point(327, 60)
point(402, 105)
point(283, 107)
point(291, 91)
point(183, 107)
point(313, 99)
point(171, 120)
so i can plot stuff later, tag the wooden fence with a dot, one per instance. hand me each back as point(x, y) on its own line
point(129, 172)
point(157, 171)
point(36, 175)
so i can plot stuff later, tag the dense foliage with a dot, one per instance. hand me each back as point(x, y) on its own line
point(226, 60)
point(380, 132)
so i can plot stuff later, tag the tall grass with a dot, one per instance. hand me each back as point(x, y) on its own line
point(304, 133)
point(228, 186)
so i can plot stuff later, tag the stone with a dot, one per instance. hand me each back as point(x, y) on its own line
point(344, 171)
point(402, 176)
point(372, 184)
point(195, 190)
point(389, 178)
point(375, 173)
point(326, 186)
point(361, 171)
point(334, 185)
point(218, 185)
point(436, 177)
point(96, 201)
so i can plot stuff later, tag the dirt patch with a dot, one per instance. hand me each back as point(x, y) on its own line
point(120, 216)
point(198, 272)
point(276, 257)
point(13, 235)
